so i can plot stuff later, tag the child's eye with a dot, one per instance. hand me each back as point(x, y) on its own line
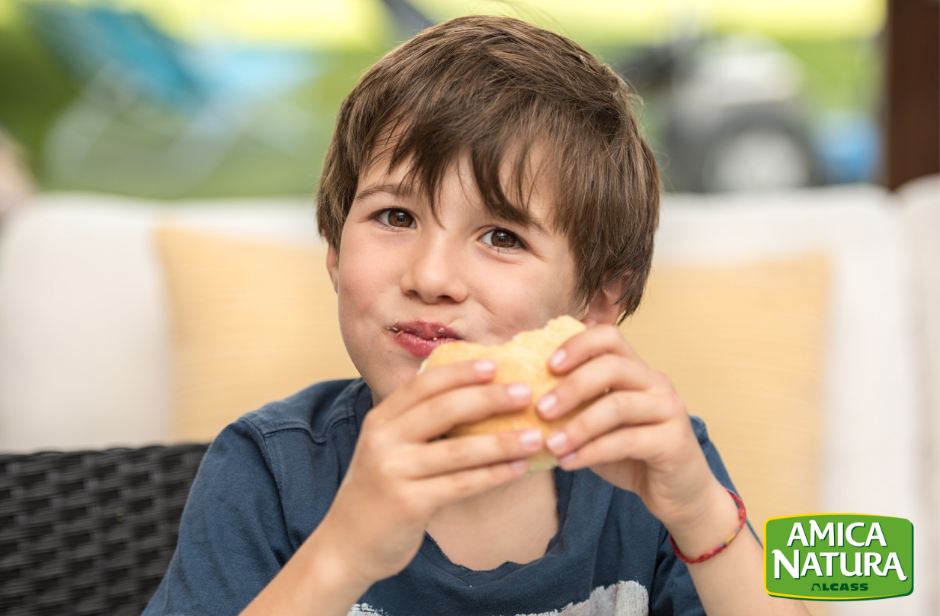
point(396, 218)
point(501, 239)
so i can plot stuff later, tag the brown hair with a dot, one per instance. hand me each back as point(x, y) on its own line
point(497, 88)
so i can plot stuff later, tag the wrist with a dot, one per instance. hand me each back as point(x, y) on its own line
point(315, 580)
point(716, 520)
point(332, 561)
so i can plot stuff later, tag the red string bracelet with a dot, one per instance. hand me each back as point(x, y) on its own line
point(742, 518)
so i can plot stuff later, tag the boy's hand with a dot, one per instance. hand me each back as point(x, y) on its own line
point(400, 476)
point(637, 435)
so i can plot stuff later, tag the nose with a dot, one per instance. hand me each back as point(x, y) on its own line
point(433, 271)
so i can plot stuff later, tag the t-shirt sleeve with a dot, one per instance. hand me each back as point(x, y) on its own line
point(673, 591)
point(232, 540)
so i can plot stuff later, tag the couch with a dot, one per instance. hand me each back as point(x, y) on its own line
point(803, 327)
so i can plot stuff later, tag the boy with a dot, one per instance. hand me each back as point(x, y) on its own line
point(484, 177)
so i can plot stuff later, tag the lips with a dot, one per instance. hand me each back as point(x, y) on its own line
point(421, 337)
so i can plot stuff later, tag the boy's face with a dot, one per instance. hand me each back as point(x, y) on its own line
point(408, 283)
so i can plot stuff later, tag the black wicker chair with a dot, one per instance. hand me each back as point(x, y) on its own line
point(90, 532)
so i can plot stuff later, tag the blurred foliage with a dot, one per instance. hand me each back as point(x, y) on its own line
point(654, 21)
point(841, 73)
point(34, 90)
point(842, 68)
point(32, 87)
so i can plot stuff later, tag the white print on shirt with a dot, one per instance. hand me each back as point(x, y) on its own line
point(620, 599)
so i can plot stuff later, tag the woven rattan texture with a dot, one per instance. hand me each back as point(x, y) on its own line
point(90, 532)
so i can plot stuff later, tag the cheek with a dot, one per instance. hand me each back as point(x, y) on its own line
point(556, 293)
point(529, 300)
point(358, 280)
point(355, 263)
point(356, 306)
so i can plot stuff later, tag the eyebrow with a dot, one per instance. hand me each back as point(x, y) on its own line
point(400, 190)
point(532, 222)
point(395, 190)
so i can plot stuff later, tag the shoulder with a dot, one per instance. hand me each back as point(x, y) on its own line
point(315, 411)
point(308, 421)
point(701, 432)
point(711, 452)
point(284, 461)
point(264, 484)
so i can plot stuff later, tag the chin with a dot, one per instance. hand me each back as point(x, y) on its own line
point(382, 385)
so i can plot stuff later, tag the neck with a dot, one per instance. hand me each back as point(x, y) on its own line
point(505, 500)
point(514, 523)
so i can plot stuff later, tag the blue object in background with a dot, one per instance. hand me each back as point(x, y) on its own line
point(848, 147)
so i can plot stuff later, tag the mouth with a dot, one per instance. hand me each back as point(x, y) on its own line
point(421, 337)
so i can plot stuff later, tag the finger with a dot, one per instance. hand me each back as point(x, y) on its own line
point(592, 379)
point(651, 443)
point(611, 412)
point(434, 382)
point(446, 489)
point(441, 413)
point(466, 452)
point(590, 343)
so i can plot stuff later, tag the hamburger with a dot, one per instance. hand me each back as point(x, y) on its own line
point(524, 359)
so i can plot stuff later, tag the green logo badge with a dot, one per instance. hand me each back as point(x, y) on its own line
point(838, 557)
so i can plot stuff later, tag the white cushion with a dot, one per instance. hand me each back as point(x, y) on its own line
point(85, 353)
point(921, 209)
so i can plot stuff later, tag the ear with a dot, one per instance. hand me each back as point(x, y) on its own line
point(604, 307)
point(332, 266)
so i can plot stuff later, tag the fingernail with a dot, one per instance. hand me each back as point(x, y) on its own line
point(531, 439)
point(546, 402)
point(485, 365)
point(562, 461)
point(520, 466)
point(557, 441)
point(557, 357)
point(520, 391)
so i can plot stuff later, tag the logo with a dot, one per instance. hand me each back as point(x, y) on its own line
point(838, 557)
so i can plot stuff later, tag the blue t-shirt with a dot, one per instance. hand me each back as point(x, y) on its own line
point(269, 478)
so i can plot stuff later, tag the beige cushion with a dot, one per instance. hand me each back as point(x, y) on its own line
point(253, 322)
point(743, 344)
